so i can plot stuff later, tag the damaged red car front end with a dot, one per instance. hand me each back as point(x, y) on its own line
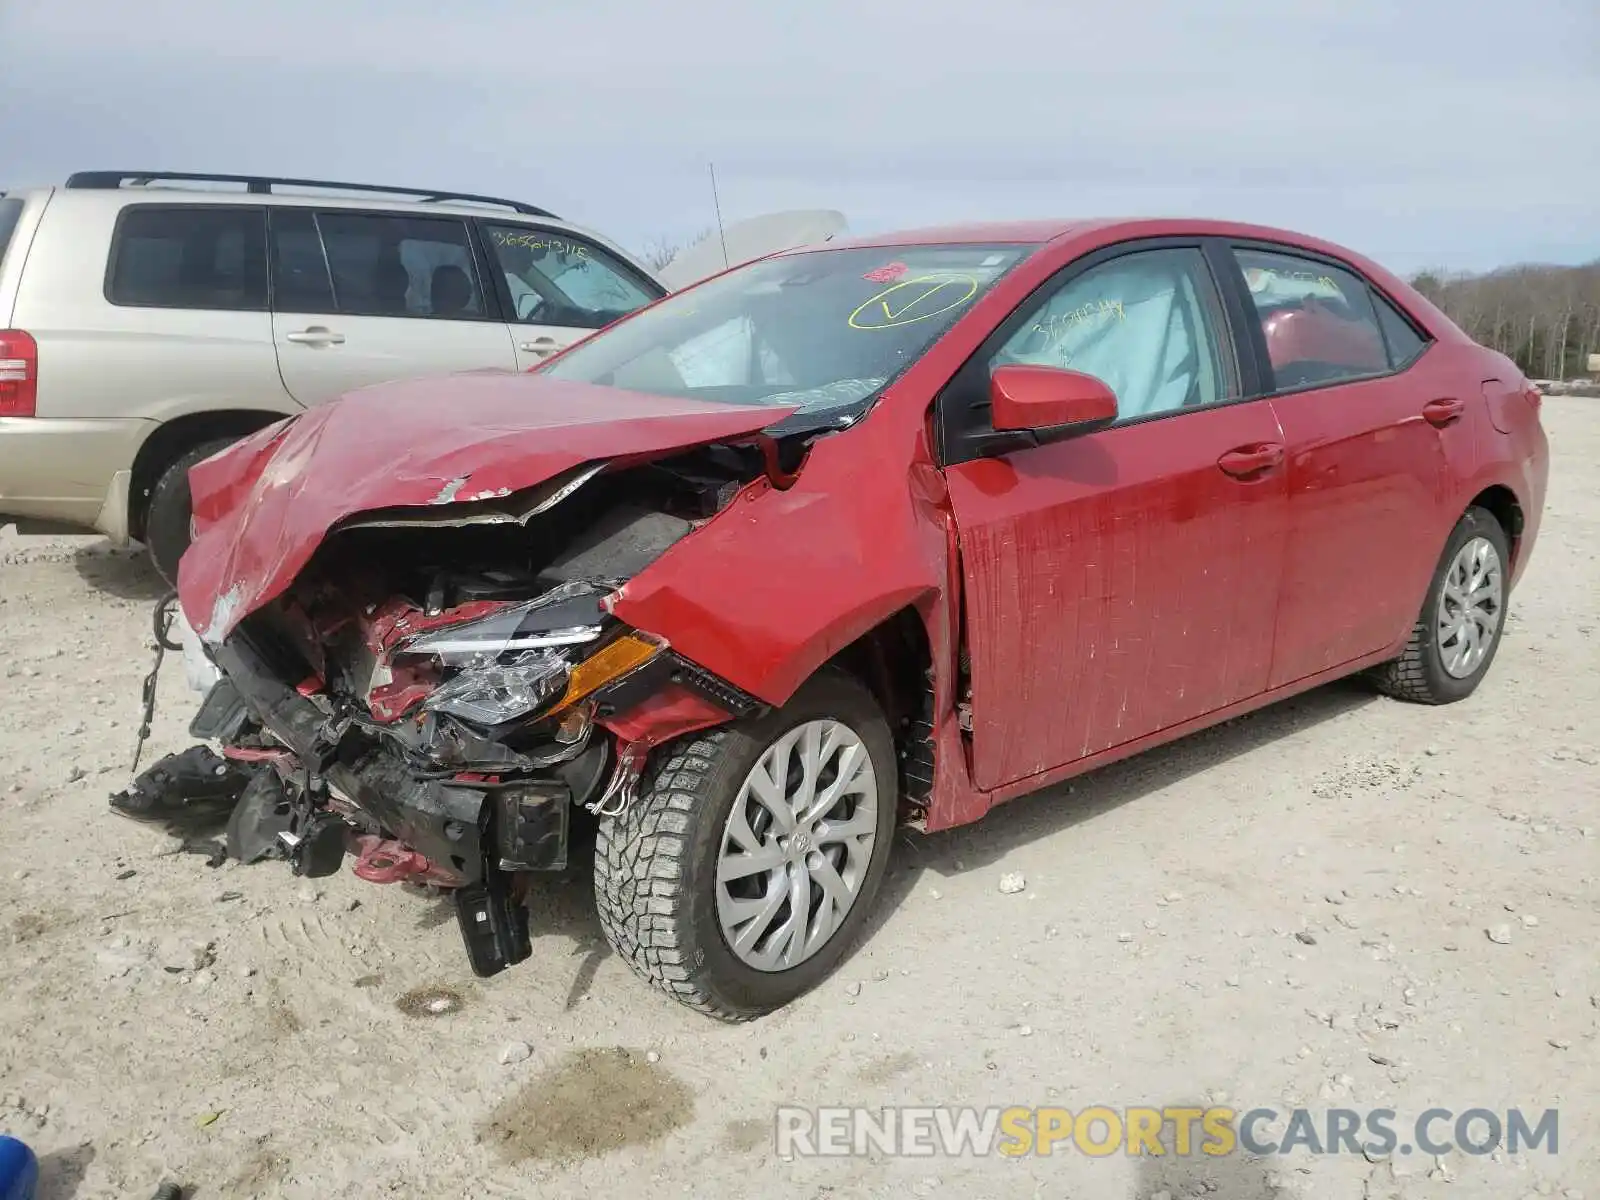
point(695, 576)
point(412, 624)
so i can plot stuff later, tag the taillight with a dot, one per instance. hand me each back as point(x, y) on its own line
point(19, 374)
point(1534, 397)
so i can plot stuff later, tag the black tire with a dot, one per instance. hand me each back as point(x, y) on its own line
point(166, 518)
point(1419, 674)
point(656, 864)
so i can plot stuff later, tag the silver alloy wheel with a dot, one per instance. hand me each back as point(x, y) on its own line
point(796, 846)
point(1470, 606)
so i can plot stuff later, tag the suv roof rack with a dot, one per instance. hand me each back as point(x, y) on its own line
point(264, 185)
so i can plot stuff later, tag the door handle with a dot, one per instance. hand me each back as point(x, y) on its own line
point(1243, 462)
point(540, 347)
point(316, 335)
point(1442, 412)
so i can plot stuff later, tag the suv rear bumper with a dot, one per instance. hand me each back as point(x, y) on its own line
point(68, 474)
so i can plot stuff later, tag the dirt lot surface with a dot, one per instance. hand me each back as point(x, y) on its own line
point(1342, 901)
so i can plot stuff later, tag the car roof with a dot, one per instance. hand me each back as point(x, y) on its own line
point(176, 193)
point(1040, 232)
point(384, 202)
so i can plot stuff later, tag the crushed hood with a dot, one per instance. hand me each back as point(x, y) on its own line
point(263, 506)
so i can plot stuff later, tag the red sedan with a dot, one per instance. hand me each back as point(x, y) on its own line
point(881, 532)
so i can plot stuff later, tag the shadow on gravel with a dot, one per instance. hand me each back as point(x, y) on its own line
point(1029, 818)
point(61, 1172)
point(1227, 1177)
point(563, 904)
point(125, 574)
point(560, 905)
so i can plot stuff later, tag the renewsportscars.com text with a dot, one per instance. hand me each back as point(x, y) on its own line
point(1100, 1130)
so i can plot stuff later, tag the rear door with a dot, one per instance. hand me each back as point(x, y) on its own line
point(1367, 430)
point(558, 287)
point(364, 297)
point(1125, 581)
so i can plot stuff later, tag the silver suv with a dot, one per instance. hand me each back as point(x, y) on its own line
point(148, 320)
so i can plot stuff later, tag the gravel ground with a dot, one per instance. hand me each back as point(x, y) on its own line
point(1342, 901)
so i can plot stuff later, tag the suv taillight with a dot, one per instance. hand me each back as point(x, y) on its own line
point(1533, 396)
point(19, 374)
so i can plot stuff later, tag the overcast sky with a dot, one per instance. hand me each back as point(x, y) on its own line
point(1463, 133)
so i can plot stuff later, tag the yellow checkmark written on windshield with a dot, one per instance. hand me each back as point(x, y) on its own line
point(914, 300)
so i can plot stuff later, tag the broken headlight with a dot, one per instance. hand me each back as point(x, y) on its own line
point(491, 693)
point(542, 624)
point(531, 659)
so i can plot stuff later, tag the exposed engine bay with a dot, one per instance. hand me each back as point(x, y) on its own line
point(440, 687)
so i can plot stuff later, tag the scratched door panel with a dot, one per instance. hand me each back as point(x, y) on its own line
point(1116, 584)
point(1365, 469)
point(1365, 473)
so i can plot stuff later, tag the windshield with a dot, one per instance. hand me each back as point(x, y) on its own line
point(821, 331)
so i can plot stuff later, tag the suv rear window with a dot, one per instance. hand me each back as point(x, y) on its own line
point(190, 257)
point(10, 214)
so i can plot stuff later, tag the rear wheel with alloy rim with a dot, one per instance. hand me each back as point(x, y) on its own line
point(1458, 631)
point(746, 868)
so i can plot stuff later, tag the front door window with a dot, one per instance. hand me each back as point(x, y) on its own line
point(1140, 323)
point(557, 279)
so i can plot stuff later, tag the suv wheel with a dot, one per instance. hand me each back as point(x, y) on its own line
point(166, 520)
point(745, 869)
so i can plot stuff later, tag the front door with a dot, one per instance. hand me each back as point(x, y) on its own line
point(557, 288)
point(1365, 459)
point(368, 297)
point(1126, 581)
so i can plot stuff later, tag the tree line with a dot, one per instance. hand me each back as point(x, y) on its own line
point(1546, 318)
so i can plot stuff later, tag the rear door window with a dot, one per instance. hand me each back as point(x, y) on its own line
point(554, 278)
point(1317, 319)
point(400, 266)
point(10, 214)
point(300, 281)
point(190, 256)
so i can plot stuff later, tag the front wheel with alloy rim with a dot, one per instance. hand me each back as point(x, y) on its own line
point(1462, 618)
point(744, 870)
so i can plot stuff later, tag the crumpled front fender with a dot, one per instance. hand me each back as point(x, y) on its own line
point(783, 579)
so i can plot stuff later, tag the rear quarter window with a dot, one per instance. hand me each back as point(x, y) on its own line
point(1404, 342)
point(189, 256)
point(10, 214)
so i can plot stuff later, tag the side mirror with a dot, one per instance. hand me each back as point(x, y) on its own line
point(1051, 403)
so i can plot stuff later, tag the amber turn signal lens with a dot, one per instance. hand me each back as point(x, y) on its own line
point(627, 653)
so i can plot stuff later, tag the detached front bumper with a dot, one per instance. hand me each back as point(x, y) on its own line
point(421, 794)
point(352, 791)
point(458, 830)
